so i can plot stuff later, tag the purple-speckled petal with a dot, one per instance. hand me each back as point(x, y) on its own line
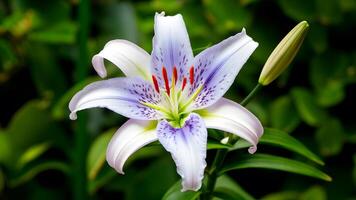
point(121, 95)
point(216, 67)
point(129, 138)
point(171, 46)
point(231, 117)
point(131, 59)
point(187, 146)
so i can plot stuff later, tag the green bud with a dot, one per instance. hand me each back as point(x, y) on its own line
point(283, 54)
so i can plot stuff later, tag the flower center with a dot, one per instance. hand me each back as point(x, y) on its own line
point(176, 101)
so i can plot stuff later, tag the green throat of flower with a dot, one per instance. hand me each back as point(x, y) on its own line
point(175, 106)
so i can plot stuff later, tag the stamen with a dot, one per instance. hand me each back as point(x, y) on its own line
point(191, 75)
point(165, 77)
point(175, 75)
point(184, 83)
point(155, 83)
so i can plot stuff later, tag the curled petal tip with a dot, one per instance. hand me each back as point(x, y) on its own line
point(252, 149)
point(102, 74)
point(120, 171)
point(73, 115)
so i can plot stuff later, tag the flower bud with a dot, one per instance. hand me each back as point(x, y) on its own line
point(283, 54)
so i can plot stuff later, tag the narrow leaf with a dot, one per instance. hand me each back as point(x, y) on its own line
point(281, 139)
point(227, 188)
point(213, 144)
point(276, 163)
point(97, 152)
point(174, 193)
point(32, 153)
point(31, 173)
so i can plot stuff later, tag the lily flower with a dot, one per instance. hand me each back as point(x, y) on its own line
point(171, 96)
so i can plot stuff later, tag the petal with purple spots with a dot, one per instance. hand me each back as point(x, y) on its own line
point(171, 47)
point(215, 68)
point(187, 146)
point(121, 95)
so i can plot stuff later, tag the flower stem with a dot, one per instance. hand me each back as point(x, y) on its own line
point(252, 94)
point(79, 174)
point(221, 154)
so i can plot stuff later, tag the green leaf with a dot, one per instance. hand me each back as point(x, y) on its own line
point(174, 193)
point(97, 152)
point(5, 148)
point(60, 33)
point(314, 193)
point(307, 108)
point(276, 163)
point(283, 140)
point(330, 137)
point(46, 72)
point(329, 11)
point(34, 171)
point(227, 21)
point(32, 153)
point(227, 188)
point(156, 179)
point(329, 73)
point(284, 115)
point(213, 144)
point(331, 93)
point(31, 125)
point(283, 195)
point(7, 56)
point(299, 10)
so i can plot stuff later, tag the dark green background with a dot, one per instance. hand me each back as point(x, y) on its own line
point(45, 53)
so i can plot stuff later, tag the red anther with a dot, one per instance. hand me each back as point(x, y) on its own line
point(175, 74)
point(191, 75)
point(184, 83)
point(155, 83)
point(165, 77)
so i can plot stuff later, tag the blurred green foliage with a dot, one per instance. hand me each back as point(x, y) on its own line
point(41, 43)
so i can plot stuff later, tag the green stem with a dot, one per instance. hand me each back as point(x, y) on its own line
point(251, 95)
point(221, 154)
point(81, 138)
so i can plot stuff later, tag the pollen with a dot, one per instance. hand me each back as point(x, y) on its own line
point(165, 78)
point(175, 75)
point(184, 83)
point(155, 83)
point(191, 75)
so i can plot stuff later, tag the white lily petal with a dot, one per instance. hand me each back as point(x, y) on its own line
point(129, 138)
point(187, 146)
point(121, 95)
point(131, 59)
point(217, 67)
point(171, 46)
point(231, 117)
